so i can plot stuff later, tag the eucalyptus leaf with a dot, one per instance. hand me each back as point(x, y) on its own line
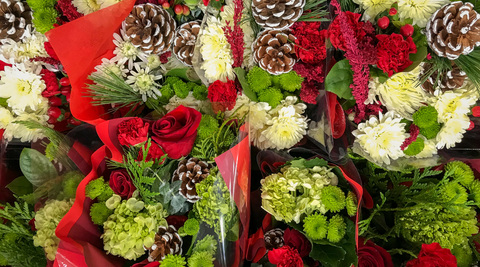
point(175, 186)
point(241, 73)
point(36, 167)
point(20, 186)
point(339, 79)
point(176, 204)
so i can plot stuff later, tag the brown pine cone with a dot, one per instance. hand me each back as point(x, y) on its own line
point(191, 172)
point(277, 14)
point(454, 30)
point(167, 241)
point(151, 28)
point(452, 79)
point(15, 16)
point(184, 42)
point(274, 51)
point(273, 239)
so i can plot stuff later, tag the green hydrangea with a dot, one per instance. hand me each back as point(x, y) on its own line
point(425, 117)
point(95, 188)
point(173, 261)
point(167, 93)
point(415, 147)
point(131, 227)
point(351, 204)
point(99, 213)
point(208, 244)
point(431, 131)
point(258, 79)
point(44, 19)
point(273, 96)
point(215, 207)
point(200, 92)
point(191, 226)
point(294, 192)
point(461, 172)
point(46, 221)
point(433, 223)
point(315, 226)
point(336, 229)
point(201, 259)
point(290, 81)
point(71, 180)
point(208, 126)
point(333, 198)
point(181, 89)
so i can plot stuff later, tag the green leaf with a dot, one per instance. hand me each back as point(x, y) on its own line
point(328, 255)
point(3, 102)
point(176, 204)
point(185, 73)
point(36, 167)
point(241, 73)
point(339, 79)
point(382, 76)
point(20, 186)
point(417, 58)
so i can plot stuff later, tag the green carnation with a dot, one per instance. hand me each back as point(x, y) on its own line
point(336, 229)
point(290, 81)
point(106, 194)
point(99, 213)
point(171, 80)
point(181, 89)
point(191, 226)
point(70, 183)
point(173, 261)
point(351, 204)
point(167, 93)
point(3, 261)
point(258, 79)
point(44, 19)
point(431, 131)
point(454, 192)
point(200, 92)
point(475, 192)
point(208, 244)
point(425, 117)
point(208, 126)
point(95, 188)
point(38, 4)
point(461, 172)
point(333, 198)
point(201, 259)
point(464, 254)
point(272, 96)
point(315, 226)
point(415, 147)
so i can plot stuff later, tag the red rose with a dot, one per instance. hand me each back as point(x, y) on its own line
point(225, 94)
point(433, 255)
point(154, 152)
point(298, 241)
point(393, 52)
point(176, 220)
point(176, 132)
point(285, 257)
point(335, 33)
point(310, 42)
point(371, 255)
point(132, 132)
point(121, 183)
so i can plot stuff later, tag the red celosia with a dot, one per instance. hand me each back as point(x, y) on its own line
point(310, 42)
point(336, 32)
point(48, 60)
point(235, 36)
point(285, 257)
point(309, 92)
point(311, 72)
point(165, 56)
point(68, 9)
point(51, 82)
point(50, 51)
point(393, 52)
point(414, 131)
point(223, 93)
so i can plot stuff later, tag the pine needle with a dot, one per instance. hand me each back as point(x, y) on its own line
point(470, 64)
point(317, 10)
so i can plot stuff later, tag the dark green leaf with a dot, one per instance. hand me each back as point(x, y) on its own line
point(417, 58)
point(3, 102)
point(240, 72)
point(339, 79)
point(328, 255)
point(382, 76)
point(20, 186)
point(187, 74)
point(36, 167)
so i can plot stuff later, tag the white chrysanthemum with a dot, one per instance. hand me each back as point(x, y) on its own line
point(106, 3)
point(6, 117)
point(191, 102)
point(429, 150)
point(381, 137)
point(454, 104)
point(144, 82)
point(452, 132)
point(16, 130)
point(373, 7)
point(86, 6)
point(22, 89)
point(216, 53)
point(242, 106)
point(419, 10)
point(125, 49)
point(400, 93)
point(31, 46)
point(112, 65)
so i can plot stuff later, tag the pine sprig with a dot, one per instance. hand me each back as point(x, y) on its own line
point(18, 217)
point(317, 11)
point(470, 64)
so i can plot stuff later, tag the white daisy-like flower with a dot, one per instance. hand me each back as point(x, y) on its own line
point(401, 93)
point(242, 106)
point(381, 137)
point(454, 104)
point(31, 46)
point(112, 65)
point(452, 132)
point(126, 49)
point(373, 7)
point(6, 117)
point(144, 82)
point(16, 130)
point(152, 61)
point(419, 10)
point(190, 101)
point(22, 89)
point(86, 6)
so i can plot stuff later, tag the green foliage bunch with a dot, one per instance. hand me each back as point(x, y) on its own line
point(44, 14)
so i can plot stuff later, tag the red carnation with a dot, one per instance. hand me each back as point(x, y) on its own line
point(51, 82)
point(225, 94)
point(335, 33)
point(433, 255)
point(393, 52)
point(132, 132)
point(285, 257)
point(310, 42)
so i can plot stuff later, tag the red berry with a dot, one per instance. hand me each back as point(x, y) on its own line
point(52, 120)
point(392, 12)
point(178, 9)
point(64, 81)
point(472, 125)
point(65, 90)
point(383, 22)
point(186, 11)
point(166, 5)
point(407, 30)
point(476, 111)
point(55, 101)
point(68, 97)
point(74, 121)
point(54, 112)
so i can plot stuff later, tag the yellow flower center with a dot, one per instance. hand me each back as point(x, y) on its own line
point(24, 87)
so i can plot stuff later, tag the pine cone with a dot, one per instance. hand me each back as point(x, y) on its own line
point(191, 172)
point(274, 51)
point(453, 79)
point(15, 16)
point(184, 43)
point(167, 241)
point(277, 14)
point(454, 30)
point(273, 239)
point(151, 28)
